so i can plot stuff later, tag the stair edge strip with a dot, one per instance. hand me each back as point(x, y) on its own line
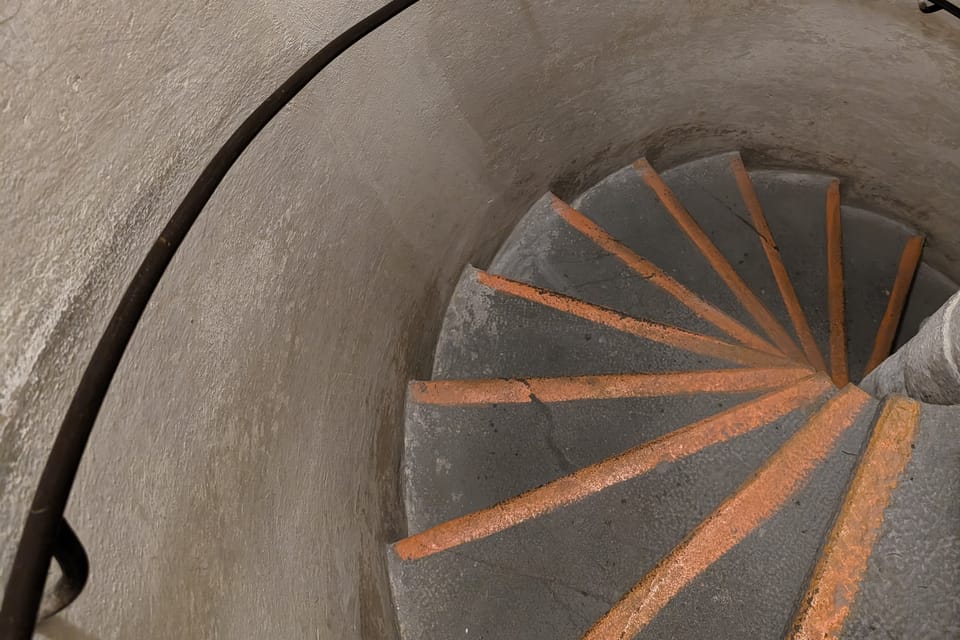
point(906, 270)
point(836, 298)
point(787, 291)
point(600, 387)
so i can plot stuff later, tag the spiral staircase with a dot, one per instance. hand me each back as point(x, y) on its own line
point(643, 422)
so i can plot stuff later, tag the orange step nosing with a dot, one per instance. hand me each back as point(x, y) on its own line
point(600, 387)
point(836, 298)
point(787, 292)
point(906, 270)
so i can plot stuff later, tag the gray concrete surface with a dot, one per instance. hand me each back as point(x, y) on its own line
point(489, 334)
point(913, 577)
point(925, 367)
point(752, 592)
point(243, 476)
point(552, 577)
point(545, 251)
point(462, 459)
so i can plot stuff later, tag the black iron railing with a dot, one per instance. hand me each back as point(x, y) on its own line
point(46, 533)
point(932, 6)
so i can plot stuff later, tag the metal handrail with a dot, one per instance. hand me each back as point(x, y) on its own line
point(46, 533)
point(69, 553)
point(932, 6)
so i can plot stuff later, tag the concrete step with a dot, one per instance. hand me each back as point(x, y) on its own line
point(709, 191)
point(793, 204)
point(489, 333)
point(554, 575)
point(463, 453)
point(753, 590)
point(912, 577)
point(626, 208)
point(930, 288)
point(545, 250)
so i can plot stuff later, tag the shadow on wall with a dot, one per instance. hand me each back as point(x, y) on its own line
point(57, 628)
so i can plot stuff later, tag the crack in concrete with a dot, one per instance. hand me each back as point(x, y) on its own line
point(620, 276)
point(749, 223)
point(547, 581)
point(566, 465)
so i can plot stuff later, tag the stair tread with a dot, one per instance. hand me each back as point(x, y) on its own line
point(629, 210)
point(462, 459)
point(588, 552)
point(546, 251)
point(735, 598)
point(488, 334)
point(794, 205)
point(708, 190)
point(930, 290)
point(872, 246)
point(913, 575)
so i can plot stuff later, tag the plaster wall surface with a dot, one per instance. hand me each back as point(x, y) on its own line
point(242, 479)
